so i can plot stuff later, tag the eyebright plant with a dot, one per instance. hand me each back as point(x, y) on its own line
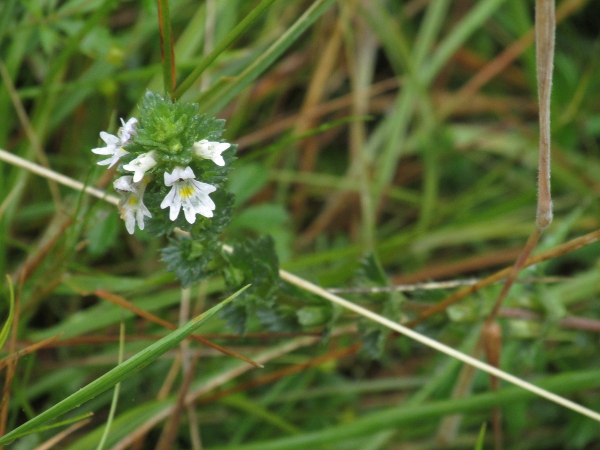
point(172, 167)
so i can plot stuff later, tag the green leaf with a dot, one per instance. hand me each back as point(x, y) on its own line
point(188, 259)
point(48, 39)
point(371, 273)
point(119, 373)
point(255, 262)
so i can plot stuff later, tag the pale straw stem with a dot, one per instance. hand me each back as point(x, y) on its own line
point(52, 175)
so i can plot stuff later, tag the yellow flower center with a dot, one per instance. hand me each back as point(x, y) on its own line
point(186, 191)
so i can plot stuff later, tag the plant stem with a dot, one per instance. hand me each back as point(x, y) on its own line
point(544, 37)
point(166, 42)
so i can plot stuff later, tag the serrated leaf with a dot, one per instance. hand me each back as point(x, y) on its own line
point(183, 259)
point(254, 261)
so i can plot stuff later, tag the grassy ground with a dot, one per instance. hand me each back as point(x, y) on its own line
point(406, 130)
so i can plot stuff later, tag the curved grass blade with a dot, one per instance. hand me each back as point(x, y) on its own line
point(119, 373)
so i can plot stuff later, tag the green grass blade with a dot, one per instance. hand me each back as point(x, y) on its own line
point(119, 373)
point(62, 423)
point(480, 438)
point(11, 313)
point(226, 42)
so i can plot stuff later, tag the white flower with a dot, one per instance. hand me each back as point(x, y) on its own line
point(128, 129)
point(131, 205)
point(115, 144)
point(211, 150)
point(188, 193)
point(140, 165)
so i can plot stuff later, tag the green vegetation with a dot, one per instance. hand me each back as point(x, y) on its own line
point(377, 143)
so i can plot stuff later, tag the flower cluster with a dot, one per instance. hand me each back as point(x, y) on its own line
point(115, 144)
point(161, 156)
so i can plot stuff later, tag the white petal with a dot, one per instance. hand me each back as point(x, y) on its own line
point(188, 173)
point(106, 162)
point(173, 201)
point(190, 214)
point(168, 200)
point(124, 183)
point(110, 139)
point(203, 188)
point(207, 202)
point(177, 174)
point(203, 200)
point(130, 222)
point(109, 150)
point(170, 178)
point(127, 130)
point(206, 212)
point(141, 212)
point(140, 165)
point(211, 150)
point(175, 208)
